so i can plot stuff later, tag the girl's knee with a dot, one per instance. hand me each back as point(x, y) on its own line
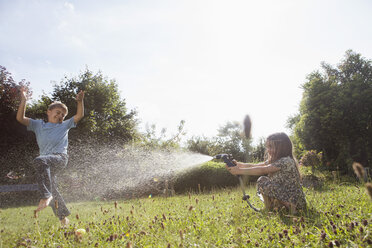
point(263, 179)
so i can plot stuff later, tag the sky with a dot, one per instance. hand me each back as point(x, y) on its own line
point(205, 62)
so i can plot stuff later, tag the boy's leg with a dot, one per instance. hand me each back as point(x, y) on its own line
point(45, 167)
point(43, 179)
point(58, 204)
point(43, 203)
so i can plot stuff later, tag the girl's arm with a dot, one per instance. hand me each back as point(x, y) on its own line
point(21, 118)
point(254, 170)
point(80, 107)
point(249, 165)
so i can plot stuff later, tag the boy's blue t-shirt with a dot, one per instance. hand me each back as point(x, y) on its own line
point(51, 137)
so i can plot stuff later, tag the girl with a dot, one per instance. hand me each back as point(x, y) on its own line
point(282, 186)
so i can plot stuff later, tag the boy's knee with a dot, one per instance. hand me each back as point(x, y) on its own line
point(38, 162)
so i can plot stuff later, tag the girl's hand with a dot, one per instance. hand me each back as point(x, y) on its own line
point(239, 164)
point(233, 170)
point(80, 96)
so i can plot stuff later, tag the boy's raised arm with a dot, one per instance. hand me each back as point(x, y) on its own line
point(80, 107)
point(22, 109)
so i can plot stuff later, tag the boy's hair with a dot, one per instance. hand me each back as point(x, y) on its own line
point(57, 104)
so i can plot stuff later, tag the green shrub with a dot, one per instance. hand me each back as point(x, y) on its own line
point(312, 159)
point(208, 175)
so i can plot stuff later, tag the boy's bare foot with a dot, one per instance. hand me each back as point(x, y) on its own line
point(65, 222)
point(43, 203)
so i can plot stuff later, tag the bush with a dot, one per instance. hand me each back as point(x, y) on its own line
point(311, 159)
point(209, 175)
point(16, 199)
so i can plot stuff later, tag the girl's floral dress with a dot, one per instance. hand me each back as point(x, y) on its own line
point(284, 185)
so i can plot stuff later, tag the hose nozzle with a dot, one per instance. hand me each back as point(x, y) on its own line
point(227, 158)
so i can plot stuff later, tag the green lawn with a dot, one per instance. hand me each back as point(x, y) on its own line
point(338, 215)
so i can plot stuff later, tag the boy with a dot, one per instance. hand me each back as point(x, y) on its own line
point(52, 139)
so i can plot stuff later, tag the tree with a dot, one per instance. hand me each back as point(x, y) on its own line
point(229, 140)
point(106, 115)
point(335, 114)
point(258, 153)
point(150, 140)
point(9, 99)
point(14, 139)
point(233, 141)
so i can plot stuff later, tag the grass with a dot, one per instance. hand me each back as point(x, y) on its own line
point(339, 214)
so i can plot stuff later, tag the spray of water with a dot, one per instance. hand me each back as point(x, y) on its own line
point(114, 171)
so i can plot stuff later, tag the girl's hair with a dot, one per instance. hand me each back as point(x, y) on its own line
point(280, 147)
point(54, 105)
